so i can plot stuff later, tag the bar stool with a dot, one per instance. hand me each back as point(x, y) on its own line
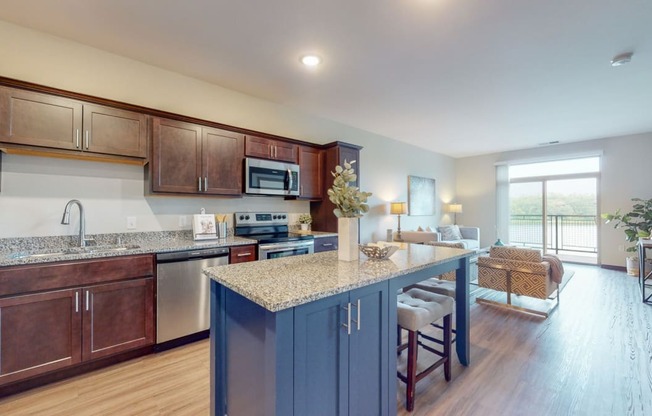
point(417, 309)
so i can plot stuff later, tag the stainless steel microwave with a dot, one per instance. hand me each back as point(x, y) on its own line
point(270, 177)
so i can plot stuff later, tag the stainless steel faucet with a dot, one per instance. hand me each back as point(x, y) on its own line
point(82, 221)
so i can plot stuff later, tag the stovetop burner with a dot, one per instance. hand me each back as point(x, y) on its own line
point(266, 227)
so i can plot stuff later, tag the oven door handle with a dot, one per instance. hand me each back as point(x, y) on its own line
point(276, 247)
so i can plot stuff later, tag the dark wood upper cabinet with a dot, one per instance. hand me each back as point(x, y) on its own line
point(335, 154)
point(222, 155)
point(193, 159)
point(33, 119)
point(312, 172)
point(271, 149)
point(114, 132)
point(176, 156)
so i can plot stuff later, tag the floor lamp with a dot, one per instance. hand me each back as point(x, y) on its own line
point(398, 208)
point(455, 209)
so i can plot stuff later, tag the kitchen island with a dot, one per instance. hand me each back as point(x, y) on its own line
point(313, 335)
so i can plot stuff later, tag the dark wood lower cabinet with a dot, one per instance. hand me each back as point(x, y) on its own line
point(118, 317)
point(104, 308)
point(39, 333)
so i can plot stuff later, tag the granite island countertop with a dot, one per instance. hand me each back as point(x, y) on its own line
point(286, 282)
point(18, 251)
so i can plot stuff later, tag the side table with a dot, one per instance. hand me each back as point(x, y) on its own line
point(644, 244)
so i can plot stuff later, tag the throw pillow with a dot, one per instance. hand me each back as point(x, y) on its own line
point(450, 232)
point(419, 229)
point(429, 229)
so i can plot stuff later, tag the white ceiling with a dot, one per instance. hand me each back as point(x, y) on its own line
point(459, 77)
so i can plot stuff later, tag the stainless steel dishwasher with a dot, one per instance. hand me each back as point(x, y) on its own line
point(183, 292)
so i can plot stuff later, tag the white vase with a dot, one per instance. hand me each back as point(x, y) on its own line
point(347, 234)
point(304, 227)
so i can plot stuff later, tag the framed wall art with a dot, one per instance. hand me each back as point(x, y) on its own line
point(421, 196)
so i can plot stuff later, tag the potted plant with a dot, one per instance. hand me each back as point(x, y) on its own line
point(305, 220)
point(350, 203)
point(636, 223)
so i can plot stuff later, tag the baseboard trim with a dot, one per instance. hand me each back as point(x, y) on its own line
point(617, 268)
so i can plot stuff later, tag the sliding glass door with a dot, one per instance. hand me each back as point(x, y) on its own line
point(555, 210)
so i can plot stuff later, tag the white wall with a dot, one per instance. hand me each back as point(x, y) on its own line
point(625, 175)
point(35, 190)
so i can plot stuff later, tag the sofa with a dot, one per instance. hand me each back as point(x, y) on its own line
point(470, 236)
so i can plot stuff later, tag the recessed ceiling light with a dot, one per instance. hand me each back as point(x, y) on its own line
point(310, 60)
point(621, 59)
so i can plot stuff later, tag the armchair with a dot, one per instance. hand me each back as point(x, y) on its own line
point(520, 271)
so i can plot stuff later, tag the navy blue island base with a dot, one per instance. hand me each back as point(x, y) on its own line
point(334, 355)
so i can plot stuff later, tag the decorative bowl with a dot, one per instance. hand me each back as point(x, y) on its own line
point(377, 252)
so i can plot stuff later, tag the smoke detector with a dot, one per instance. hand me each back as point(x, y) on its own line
point(621, 59)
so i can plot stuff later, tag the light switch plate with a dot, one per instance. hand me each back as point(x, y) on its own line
point(131, 223)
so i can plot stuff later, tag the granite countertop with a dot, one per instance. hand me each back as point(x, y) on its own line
point(286, 282)
point(20, 251)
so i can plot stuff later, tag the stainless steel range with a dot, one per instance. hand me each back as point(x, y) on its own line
point(271, 230)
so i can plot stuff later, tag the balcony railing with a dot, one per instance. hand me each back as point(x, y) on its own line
point(577, 233)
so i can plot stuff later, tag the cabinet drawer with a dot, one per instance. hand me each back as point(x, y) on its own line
point(40, 277)
point(325, 244)
point(241, 254)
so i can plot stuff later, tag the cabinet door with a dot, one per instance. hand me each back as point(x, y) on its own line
point(310, 161)
point(271, 149)
point(176, 156)
point(115, 132)
point(285, 151)
point(36, 119)
point(242, 254)
point(368, 371)
point(325, 244)
point(321, 357)
point(39, 333)
point(117, 317)
point(222, 156)
point(258, 147)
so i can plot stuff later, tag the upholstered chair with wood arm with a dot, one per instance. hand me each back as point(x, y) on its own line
point(520, 271)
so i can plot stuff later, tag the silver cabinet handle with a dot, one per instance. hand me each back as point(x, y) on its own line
point(87, 139)
point(244, 254)
point(205, 183)
point(199, 183)
point(271, 151)
point(327, 244)
point(87, 300)
point(347, 325)
point(77, 138)
point(357, 306)
point(76, 301)
point(275, 152)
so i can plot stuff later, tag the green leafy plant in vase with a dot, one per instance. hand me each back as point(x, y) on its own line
point(305, 220)
point(350, 204)
point(636, 224)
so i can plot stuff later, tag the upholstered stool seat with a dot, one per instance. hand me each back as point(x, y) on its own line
point(416, 309)
point(434, 285)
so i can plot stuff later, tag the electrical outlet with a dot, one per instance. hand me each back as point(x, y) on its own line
point(183, 220)
point(131, 223)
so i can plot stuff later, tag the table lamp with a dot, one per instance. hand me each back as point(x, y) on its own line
point(455, 209)
point(398, 208)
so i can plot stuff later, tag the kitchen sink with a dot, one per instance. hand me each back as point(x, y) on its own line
point(73, 250)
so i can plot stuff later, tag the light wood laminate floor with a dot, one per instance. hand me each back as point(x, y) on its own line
point(592, 356)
